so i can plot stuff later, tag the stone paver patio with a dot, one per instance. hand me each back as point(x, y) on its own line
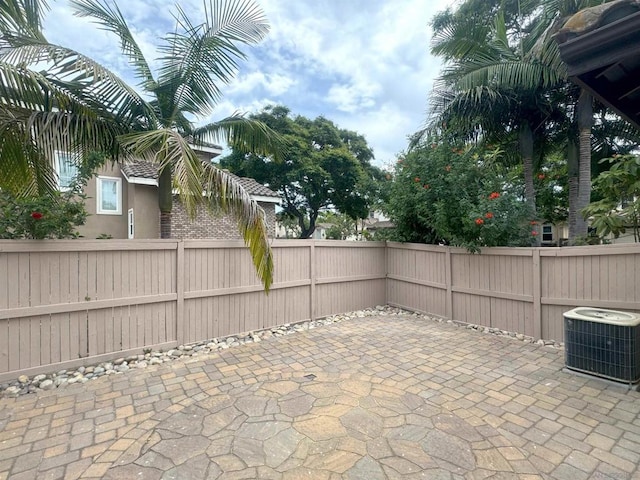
point(372, 398)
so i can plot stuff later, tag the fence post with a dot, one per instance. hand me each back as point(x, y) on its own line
point(312, 275)
point(180, 292)
point(537, 295)
point(449, 282)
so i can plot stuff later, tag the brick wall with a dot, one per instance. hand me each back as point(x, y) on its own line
point(216, 226)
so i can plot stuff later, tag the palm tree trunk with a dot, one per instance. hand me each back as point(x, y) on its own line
point(165, 202)
point(525, 141)
point(584, 112)
point(573, 162)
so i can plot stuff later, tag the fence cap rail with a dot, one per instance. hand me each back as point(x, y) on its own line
point(31, 246)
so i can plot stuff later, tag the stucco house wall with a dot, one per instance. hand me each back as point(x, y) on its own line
point(105, 223)
point(142, 198)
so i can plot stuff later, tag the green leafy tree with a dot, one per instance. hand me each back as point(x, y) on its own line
point(504, 76)
point(445, 194)
point(342, 226)
point(77, 104)
point(492, 89)
point(618, 208)
point(325, 167)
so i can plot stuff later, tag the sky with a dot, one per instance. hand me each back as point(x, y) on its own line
point(363, 64)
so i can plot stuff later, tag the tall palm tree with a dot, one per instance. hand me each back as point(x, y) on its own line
point(195, 60)
point(551, 17)
point(484, 91)
point(481, 74)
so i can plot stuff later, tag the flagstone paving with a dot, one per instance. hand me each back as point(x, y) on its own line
point(370, 398)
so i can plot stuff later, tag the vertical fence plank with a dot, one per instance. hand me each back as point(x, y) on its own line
point(537, 294)
point(313, 279)
point(180, 288)
point(449, 283)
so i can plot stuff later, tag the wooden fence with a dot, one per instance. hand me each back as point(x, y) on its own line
point(522, 290)
point(67, 303)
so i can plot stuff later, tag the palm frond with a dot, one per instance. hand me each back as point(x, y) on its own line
point(111, 19)
point(166, 148)
point(243, 134)
point(23, 16)
point(227, 194)
point(46, 119)
point(78, 74)
point(198, 58)
point(200, 183)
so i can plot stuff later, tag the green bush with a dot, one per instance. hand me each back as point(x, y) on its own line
point(55, 216)
point(444, 194)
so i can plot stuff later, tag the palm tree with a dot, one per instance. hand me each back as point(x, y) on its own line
point(485, 72)
point(551, 17)
point(486, 92)
point(196, 59)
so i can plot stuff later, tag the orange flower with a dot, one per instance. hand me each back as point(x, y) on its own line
point(494, 195)
point(541, 176)
point(479, 221)
point(534, 233)
point(488, 215)
point(426, 186)
point(36, 215)
point(417, 179)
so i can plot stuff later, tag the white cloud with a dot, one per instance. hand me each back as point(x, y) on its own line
point(353, 97)
point(274, 84)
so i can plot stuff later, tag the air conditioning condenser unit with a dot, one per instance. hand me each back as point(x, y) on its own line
point(603, 342)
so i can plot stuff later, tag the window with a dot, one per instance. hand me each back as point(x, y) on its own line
point(130, 228)
point(109, 193)
point(66, 168)
point(547, 233)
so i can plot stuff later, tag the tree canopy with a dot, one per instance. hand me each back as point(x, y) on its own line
point(503, 84)
point(325, 167)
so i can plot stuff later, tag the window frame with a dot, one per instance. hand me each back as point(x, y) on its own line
point(57, 164)
point(99, 190)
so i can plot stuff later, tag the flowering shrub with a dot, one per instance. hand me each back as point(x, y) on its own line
point(54, 216)
point(445, 194)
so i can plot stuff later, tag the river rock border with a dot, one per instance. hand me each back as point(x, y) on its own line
point(25, 384)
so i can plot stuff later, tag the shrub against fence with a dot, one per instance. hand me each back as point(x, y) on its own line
point(66, 303)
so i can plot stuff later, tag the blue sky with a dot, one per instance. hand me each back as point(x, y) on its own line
point(364, 64)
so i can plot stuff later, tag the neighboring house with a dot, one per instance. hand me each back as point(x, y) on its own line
point(376, 221)
point(554, 235)
point(123, 203)
point(320, 233)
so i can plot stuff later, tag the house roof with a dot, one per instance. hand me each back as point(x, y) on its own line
point(146, 173)
point(601, 48)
